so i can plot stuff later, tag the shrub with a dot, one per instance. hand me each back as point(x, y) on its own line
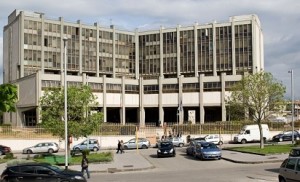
point(9, 156)
point(86, 152)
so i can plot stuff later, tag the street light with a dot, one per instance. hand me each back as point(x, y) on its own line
point(65, 39)
point(292, 95)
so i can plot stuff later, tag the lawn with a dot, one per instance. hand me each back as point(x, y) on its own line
point(75, 160)
point(268, 149)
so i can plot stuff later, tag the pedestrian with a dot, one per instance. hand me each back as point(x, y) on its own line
point(119, 147)
point(122, 146)
point(85, 165)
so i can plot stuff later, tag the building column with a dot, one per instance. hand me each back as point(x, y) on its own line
point(180, 100)
point(223, 99)
point(137, 54)
point(196, 48)
point(80, 46)
point(214, 50)
point(114, 51)
point(141, 108)
point(42, 44)
point(178, 50)
point(104, 108)
point(160, 103)
point(161, 55)
point(201, 105)
point(97, 52)
point(233, 48)
point(123, 108)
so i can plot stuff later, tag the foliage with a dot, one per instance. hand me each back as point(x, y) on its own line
point(9, 156)
point(258, 94)
point(81, 120)
point(8, 97)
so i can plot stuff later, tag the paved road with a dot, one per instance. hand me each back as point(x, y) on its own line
point(183, 168)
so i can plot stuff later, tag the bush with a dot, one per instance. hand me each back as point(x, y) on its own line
point(9, 156)
point(86, 152)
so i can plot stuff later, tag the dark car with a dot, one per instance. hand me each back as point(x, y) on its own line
point(4, 150)
point(166, 148)
point(295, 152)
point(207, 150)
point(40, 172)
point(286, 136)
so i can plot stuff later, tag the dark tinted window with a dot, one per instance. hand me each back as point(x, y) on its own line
point(298, 165)
point(291, 164)
point(284, 163)
point(42, 170)
point(26, 169)
point(14, 169)
point(166, 144)
point(208, 146)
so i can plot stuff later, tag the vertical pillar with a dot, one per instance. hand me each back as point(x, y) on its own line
point(114, 51)
point(141, 108)
point(104, 109)
point(223, 103)
point(97, 50)
point(196, 48)
point(178, 50)
point(233, 47)
point(214, 50)
point(201, 105)
point(160, 103)
point(161, 50)
point(80, 47)
point(180, 100)
point(137, 54)
point(42, 43)
point(123, 103)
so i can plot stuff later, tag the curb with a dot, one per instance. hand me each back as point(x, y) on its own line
point(252, 162)
point(115, 170)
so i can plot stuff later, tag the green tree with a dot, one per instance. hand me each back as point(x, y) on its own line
point(258, 94)
point(8, 98)
point(82, 121)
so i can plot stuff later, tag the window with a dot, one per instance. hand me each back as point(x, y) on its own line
point(42, 170)
point(291, 164)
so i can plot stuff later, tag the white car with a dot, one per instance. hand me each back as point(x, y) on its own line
point(214, 138)
point(45, 147)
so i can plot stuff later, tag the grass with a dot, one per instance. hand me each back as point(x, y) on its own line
point(75, 160)
point(267, 150)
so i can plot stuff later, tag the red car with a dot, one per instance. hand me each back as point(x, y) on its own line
point(4, 150)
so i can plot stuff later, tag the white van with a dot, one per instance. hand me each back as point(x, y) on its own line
point(250, 133)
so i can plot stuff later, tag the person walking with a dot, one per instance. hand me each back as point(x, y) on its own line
point(119, 147)
point(85, 165)
point(122, 146)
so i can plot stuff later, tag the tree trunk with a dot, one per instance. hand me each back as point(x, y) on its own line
point(261, 135)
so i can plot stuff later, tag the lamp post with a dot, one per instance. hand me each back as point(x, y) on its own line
point(292, 95)
point(65, 39)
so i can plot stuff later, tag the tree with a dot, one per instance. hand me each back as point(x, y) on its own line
point(258, 93)
point(8, 97)
point(82, 121)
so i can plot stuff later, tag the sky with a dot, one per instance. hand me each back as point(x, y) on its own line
point(280, 21)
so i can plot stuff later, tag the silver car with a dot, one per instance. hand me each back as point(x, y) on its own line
point(142, 143)
point(45, 147)
point(289, 170)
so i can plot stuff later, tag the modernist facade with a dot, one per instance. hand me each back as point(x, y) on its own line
point(168, 75)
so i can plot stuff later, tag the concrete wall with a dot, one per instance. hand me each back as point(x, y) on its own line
point(106, 142)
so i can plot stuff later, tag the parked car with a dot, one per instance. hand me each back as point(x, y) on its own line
point(295, 152)
point(91, 144)
point(40, 172)
point(251, 133)
point(142, 143)
point(166, 148)
point(214, 138)
point(177, 141)
point(286, 136)
point(190, 150)
point(289, 170)
point(207, 150)
point(4, 150)
point(45, 147)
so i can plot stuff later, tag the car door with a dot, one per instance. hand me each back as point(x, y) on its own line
point(289, 169)
point(44, 174)
point(38, 148)
point(131, 144)
point(25, 174)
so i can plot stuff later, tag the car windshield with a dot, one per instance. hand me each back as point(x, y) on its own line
point(208, 146)
point(165, 144)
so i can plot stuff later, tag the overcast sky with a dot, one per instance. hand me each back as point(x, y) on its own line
point(280, 20)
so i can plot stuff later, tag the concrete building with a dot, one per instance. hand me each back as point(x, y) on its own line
point(169, 75)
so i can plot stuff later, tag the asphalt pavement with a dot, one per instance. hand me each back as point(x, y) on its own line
point(134, 161)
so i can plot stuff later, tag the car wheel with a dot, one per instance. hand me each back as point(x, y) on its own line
point(95, 149)
point(77, 150)
point(281, 179)
point(29, 152)
point(297, 138)
point(126, 147)
point(181, 145)
point(280, 139)
point(50, 151)
point(144, 147)
point(220, 143)
point(244, 141)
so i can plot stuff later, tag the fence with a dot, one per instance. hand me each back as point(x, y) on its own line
point(149, 130)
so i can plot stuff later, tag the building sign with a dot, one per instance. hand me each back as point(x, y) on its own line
point(192, 116)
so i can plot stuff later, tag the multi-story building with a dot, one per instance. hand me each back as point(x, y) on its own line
point(175, 74)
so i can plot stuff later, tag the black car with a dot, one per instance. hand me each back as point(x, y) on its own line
point(166, 148)
point(286, 136)
point(40, 172)
point(4, 150)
